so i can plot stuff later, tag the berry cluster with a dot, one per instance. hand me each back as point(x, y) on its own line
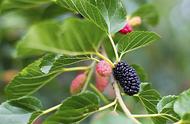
point(127, 78)
point(103, 72)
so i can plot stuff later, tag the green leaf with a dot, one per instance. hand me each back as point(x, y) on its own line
point(109, 15)
point(75, 109)
point(15, 112)
point(148, 13)
point(135, 40)
point(23, 4)
point(39, 73)
point(181, 105)
point(165, 105)
point(141, 72)
point(73, 37)
point(149, 98)
point(109, 117)
point(28, 103)
point(185, 119)
point(29, 80)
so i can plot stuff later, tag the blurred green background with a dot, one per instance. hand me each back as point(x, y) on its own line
point(166, 61)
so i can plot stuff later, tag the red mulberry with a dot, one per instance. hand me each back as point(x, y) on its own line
point(127, 29)
point(103, 68)
point(77, 83)
point(101, 82)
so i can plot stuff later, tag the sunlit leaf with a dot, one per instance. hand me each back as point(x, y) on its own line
point(149, 98)
point(165, 106)
point(135, 40)
point(109, 15)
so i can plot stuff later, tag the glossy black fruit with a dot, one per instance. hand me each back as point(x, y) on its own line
point(127, 78)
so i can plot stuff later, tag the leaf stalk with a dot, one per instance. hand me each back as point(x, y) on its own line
point(105, 58)
point(114, 47)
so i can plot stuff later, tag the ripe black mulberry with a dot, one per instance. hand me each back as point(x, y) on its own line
point(127, 78)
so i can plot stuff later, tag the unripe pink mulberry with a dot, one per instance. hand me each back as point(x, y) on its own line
point(127, 29)
point(135, 21)
point(101, 82)
point(103, 68)
point(77, 83)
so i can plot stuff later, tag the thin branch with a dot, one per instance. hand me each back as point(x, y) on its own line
point(115, 108)
point(51, 109)
point(59, 105)
point(88, 77)
point(105, 58)
point(103, 107)
point(108, 105)
point(122, 104)
point(114, 47)
point(154, 115)
point(76, 68)
point(120, 57)
point(148, 115)
point(95, 59)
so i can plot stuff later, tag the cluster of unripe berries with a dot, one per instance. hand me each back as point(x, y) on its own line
point(103, 72)
point(124, 74)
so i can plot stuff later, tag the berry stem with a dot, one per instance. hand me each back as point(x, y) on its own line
point(154, 115)
point(103, 107)
point(114, 47)
point(47, 111)
point(108, 105)
point(89, 76)
point(76, 68)
point(59, 105)
point(104, 58)
point(51, 109)
point(120, 57)
point(104, 99)
point(95, 59)
point(122, 104)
